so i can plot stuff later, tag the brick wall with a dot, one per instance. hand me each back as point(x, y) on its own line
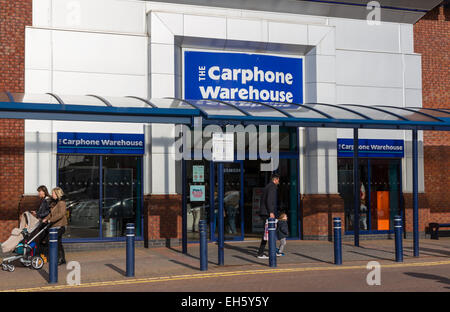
point(432, 40)
point(162, 217)
point(318, 213)
point(14, 16)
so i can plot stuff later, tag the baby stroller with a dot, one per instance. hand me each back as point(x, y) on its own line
point(24, 242)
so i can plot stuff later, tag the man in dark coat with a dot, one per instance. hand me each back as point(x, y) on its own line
point(267, 208)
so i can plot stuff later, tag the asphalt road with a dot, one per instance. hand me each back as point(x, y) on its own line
point(406, 277)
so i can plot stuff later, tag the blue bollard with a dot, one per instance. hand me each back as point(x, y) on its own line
point(337, 241)
point(53, 256)
point(398, 239)
point(203, 246)
point(272, 243)
point(220, 241)
point(130, 250)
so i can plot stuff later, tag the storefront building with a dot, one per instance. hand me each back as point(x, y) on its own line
point(117, 173)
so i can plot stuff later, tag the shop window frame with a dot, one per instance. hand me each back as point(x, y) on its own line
point(369, 194)
point(100, 238)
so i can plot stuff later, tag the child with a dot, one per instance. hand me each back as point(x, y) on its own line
point(282, 233)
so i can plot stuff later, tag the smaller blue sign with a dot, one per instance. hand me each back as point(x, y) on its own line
point(100, 143)
point(372, 148)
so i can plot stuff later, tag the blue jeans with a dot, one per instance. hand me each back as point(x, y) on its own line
point(231, 219)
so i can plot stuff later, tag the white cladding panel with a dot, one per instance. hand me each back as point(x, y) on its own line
point(359, 35)
point(371, 69)
point(99, 15)
point(126, 47)
point(99, 53)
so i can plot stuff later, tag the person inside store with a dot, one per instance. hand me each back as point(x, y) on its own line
point(57, 218)
point(231, 202)
point(363, 207)
point(267, 208)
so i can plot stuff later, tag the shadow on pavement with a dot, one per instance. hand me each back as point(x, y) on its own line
point(375, 249)
point(437, 278)
point(44, 275)
point(187, 265)
point(118, 270)
point(248, 260)
point(372, 256)
point(312, 258)
point(245, 250)
point(443, 252)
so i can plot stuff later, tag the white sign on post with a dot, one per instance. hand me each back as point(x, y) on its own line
point(223, 147)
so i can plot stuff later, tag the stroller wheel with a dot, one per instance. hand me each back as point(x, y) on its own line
point(4, 267)
point(11, 268)
point(37, 262)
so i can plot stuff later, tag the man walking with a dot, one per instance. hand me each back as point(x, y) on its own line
point(267, 208)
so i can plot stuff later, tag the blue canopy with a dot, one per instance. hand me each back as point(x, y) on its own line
point(179, 111)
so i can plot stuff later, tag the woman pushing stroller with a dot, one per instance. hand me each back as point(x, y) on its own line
point(28, 241)
point(41, 213)
point(57, 219)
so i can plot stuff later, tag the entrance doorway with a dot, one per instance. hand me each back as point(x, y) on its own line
point(243, 186)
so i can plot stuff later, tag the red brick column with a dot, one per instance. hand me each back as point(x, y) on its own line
point(14, 16)
point(432, 40)
point(424, 212)
point(318, 213)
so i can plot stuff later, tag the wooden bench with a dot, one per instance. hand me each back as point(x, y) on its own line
point(434, 229)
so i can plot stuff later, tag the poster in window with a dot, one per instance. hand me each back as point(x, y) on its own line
point(198, 174)
point(197, 193)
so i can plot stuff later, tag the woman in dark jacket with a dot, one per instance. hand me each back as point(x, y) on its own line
point(41, 213)
point(44, 207)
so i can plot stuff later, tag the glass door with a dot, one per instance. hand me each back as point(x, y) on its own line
point(121, 189)
point(233, 202)
point(197, 199)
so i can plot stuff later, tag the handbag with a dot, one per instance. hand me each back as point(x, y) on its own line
point(266, 231)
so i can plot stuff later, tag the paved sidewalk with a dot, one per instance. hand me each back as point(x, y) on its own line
point(109, 265)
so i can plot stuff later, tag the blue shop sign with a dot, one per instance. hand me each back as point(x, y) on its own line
point(372, 148)
point(100, 143)
point(242, 77)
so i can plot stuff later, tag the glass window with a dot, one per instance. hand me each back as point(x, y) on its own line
point(197, 174)
point(301, 111)
point(170, 103)
point(81, 100)
point(259, 110)
point(380, 192)
point(337, 112)
point(384, 193)
point(345, 189)
point(217, 108)
point(372, 112)
point(78, 176)
point(409, 114)
point(126, 102)
point(34, 98)
point(444, 113)
point(101, 206)
point(287, 193)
